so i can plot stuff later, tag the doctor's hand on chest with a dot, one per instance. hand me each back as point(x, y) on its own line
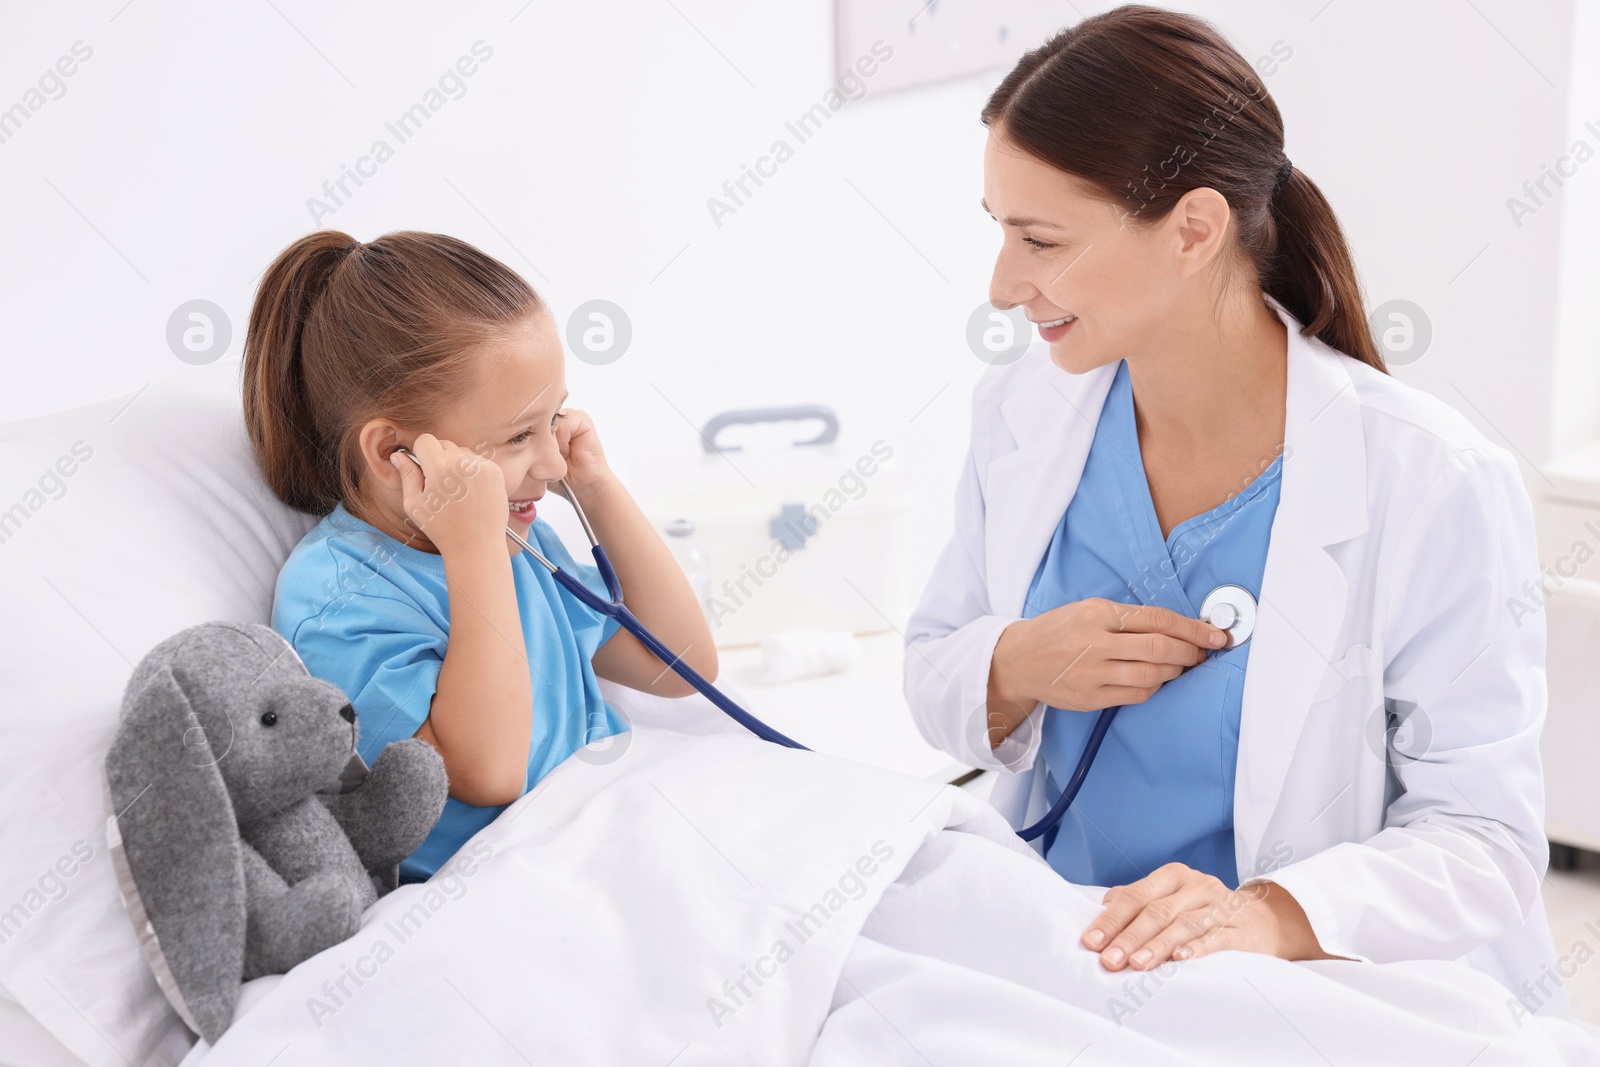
point(1178, 913)
point(1088, 655)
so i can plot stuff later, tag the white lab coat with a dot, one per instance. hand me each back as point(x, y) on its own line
point(1401, 534)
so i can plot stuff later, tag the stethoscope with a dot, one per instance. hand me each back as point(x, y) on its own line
point(614, 608)
point(1228, 607)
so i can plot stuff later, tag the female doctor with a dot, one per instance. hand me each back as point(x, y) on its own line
point(1210, 409)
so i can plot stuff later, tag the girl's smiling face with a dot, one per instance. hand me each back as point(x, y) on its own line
point(509, 417)
point(515, 411)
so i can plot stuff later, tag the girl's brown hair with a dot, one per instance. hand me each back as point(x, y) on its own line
point(1145, 105)
point(342, 332)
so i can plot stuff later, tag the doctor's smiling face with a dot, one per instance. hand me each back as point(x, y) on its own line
point(1099, 284)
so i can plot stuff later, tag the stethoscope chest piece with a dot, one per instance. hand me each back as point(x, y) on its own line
point(1231, 608)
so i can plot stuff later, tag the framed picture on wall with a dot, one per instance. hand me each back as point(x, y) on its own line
point(918, 42)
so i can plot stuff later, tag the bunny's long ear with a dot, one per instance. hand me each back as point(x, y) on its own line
point(175, 843)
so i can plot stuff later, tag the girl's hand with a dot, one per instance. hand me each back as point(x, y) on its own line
point(580, 447)
point(1179, 913)
point(457, 497)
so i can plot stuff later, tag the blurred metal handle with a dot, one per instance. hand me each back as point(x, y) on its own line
point(780, 413)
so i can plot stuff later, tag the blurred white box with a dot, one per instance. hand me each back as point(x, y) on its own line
point(799, 533)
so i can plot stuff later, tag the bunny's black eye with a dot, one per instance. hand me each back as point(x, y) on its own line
point(269, 718)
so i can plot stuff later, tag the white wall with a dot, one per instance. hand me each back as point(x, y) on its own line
point(181, 157)
point(1576, 414)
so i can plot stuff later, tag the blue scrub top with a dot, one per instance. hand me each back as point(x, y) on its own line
point(1161, 789)
point(372, 615)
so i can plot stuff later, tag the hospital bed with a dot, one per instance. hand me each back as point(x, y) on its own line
point(627, 910)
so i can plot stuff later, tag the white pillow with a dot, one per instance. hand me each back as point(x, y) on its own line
point(121, 523)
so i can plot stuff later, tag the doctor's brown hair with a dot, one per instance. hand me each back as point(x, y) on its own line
point(1146, 105)
point(343, 332)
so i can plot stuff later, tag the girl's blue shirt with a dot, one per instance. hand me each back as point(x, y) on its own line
point(372, 615)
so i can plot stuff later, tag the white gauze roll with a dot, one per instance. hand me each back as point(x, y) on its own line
point(793, 654)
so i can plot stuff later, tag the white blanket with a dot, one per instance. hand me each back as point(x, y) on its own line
point(720, 900)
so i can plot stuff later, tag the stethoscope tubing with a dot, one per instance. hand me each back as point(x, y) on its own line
point(611, 606)
point(614, 608)
point(1069, 792)
point(1243, 613)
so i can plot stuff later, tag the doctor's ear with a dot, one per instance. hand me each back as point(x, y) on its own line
point(1199, 227)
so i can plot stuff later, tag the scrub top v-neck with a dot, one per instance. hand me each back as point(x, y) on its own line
point(1161, 789)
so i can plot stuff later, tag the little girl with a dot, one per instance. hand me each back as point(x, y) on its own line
point(409, 595)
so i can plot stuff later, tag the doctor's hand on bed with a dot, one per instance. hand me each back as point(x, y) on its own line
point(1179, 913)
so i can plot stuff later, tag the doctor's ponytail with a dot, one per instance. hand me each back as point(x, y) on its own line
point(343, 332)
point(1147, 104)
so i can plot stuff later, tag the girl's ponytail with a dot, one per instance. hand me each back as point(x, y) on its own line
point(1147, 104)
point(1312, 274)
point(296, 462)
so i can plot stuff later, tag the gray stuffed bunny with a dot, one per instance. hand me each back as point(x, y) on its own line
point(245, 837)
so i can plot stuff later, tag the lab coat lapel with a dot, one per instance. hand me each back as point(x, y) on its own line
point(1026, 491)
point(1303, 591)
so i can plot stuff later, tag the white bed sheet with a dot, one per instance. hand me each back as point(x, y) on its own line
point(25, 1042)
point(612, 914)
